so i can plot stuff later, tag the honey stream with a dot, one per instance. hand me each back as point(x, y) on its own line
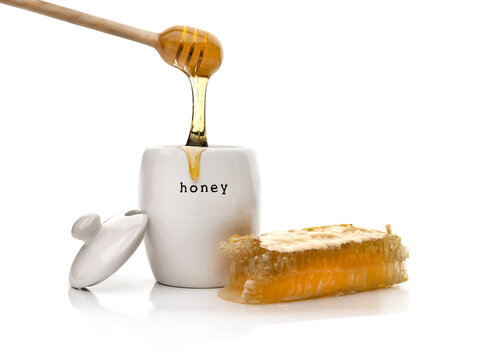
point(198, 54)
point(197, 134)
point(197, 140)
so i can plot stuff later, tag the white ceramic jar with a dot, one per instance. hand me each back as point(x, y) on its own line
point(188, 219)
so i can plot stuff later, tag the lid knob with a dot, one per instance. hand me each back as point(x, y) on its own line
point(86, 227)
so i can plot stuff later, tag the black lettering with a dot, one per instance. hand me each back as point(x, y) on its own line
point(204, 187)
point(195, 188)
point(223, 189)
point(183, 187)
point(214, 188)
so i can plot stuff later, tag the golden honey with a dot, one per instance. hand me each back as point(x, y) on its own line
point(193, 154)
point(312, 262)
point(199, 55)
point(197, 133)
point(191, 50)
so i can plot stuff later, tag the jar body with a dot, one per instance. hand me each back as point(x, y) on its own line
point(188, 219)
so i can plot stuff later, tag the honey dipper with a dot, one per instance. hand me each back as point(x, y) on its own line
point(195, 52)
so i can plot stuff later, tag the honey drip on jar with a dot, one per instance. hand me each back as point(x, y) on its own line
point(193, 154)
point(198, 54)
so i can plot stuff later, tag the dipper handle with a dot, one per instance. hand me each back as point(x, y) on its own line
point(87, 20)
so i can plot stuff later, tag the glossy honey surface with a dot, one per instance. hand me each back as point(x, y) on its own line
point(194, 51)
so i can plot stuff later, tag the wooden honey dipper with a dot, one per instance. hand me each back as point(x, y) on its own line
point(196, 52)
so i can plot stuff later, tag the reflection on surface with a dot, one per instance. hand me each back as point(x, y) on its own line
point(180, 316)
point(100, 317)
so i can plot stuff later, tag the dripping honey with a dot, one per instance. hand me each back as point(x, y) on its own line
point(198, 54)
point(193, 154)
point(197, 134)
point(191, 50)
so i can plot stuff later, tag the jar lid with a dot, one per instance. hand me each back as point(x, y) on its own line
point(107, 246)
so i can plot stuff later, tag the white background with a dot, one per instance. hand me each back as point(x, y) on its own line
point(363, 112)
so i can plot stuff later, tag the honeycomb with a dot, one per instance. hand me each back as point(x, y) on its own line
point(312, 262)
